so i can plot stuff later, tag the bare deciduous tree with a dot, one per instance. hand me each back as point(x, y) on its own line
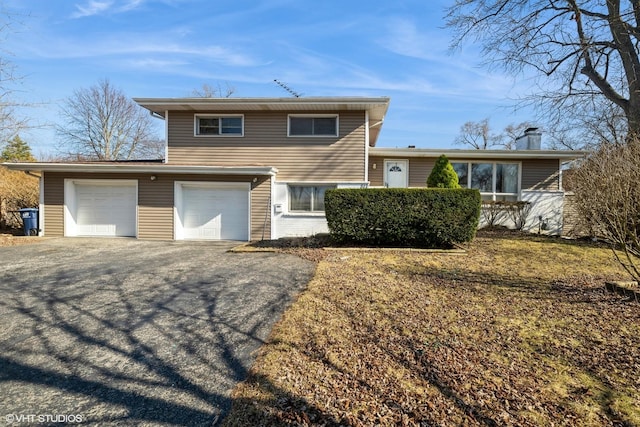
point(208, 91)
point(512, 132)
point(102, 123)
point(607, 196)
point(600, 123)
point(10, 122)
point(585, 51)
point(478, 135)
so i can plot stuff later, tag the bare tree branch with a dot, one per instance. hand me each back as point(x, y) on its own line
point(582, 49)
point(208, 91)
point(102, 123)
point(478, 135)
point(10, 122)
point(608, 198)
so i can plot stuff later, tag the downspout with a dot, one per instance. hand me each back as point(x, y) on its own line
point(266, 216)
point(366, 147)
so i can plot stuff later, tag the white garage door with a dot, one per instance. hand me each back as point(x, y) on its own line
point(211, 211)
point(105, 209)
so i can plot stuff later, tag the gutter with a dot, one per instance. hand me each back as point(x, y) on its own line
point(148, 168)
point(478, 154)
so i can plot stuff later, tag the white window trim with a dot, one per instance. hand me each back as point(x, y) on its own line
point(319, 116)
point(290, 212)
point(196, 117)
point(493, 193)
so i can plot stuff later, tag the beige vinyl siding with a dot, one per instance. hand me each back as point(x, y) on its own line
point(376, 176)
point(54, 205)
point(261, 209)
point(537, 174)
point(155, 201)
point(155, 207)
point(543, 174)
point(265, 142)
point(419, 170)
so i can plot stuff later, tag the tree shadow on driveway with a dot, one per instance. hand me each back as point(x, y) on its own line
point(135, 333)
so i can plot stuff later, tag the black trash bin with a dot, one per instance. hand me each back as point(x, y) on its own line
point(29, 221)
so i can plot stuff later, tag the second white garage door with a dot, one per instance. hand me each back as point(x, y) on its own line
point(212, 211)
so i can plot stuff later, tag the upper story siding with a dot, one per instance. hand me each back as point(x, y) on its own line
point(265, 142)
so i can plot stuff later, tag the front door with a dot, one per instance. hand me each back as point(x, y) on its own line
point(396, 173)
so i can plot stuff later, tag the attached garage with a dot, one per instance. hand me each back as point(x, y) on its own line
point(101, 208)
point(152, 200)
point(212, 210)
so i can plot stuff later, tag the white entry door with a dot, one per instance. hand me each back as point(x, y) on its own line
point(213, 211)
point(396, 173)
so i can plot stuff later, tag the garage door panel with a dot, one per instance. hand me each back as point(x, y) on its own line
point(105, 210)
point(210, 213)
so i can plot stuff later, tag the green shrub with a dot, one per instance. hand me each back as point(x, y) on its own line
point(443, 175)
point(425, 217)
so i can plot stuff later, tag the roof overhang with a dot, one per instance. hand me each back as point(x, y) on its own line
point(112, 167)
point(564, 155)
point(376, 107)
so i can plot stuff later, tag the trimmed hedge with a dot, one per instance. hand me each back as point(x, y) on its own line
point(423, 217)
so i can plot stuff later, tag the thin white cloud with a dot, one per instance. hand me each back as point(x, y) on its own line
point(402, 37)
point(126, 44)
point(130, 5)
point(154, 64)
point(97, 7)
point(93, 7)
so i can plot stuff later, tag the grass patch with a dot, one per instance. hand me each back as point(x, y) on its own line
point(519, 331)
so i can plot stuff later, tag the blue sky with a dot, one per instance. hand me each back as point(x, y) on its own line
point(168, 48)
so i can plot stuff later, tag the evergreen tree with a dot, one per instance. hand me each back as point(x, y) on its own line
point(443, 175)
point(16, 150)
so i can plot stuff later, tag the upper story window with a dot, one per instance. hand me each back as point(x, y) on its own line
point(313, 125)
point(496, 181)
point(216, 125)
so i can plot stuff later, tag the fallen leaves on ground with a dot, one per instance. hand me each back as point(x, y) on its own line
point(10, 240)
point(520, 331)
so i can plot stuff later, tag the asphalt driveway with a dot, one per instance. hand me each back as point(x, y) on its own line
point(129, 332)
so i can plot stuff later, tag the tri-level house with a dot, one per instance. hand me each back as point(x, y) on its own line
point(258, 168)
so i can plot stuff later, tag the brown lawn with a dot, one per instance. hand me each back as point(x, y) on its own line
point(11, 240)
point(519, 331)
